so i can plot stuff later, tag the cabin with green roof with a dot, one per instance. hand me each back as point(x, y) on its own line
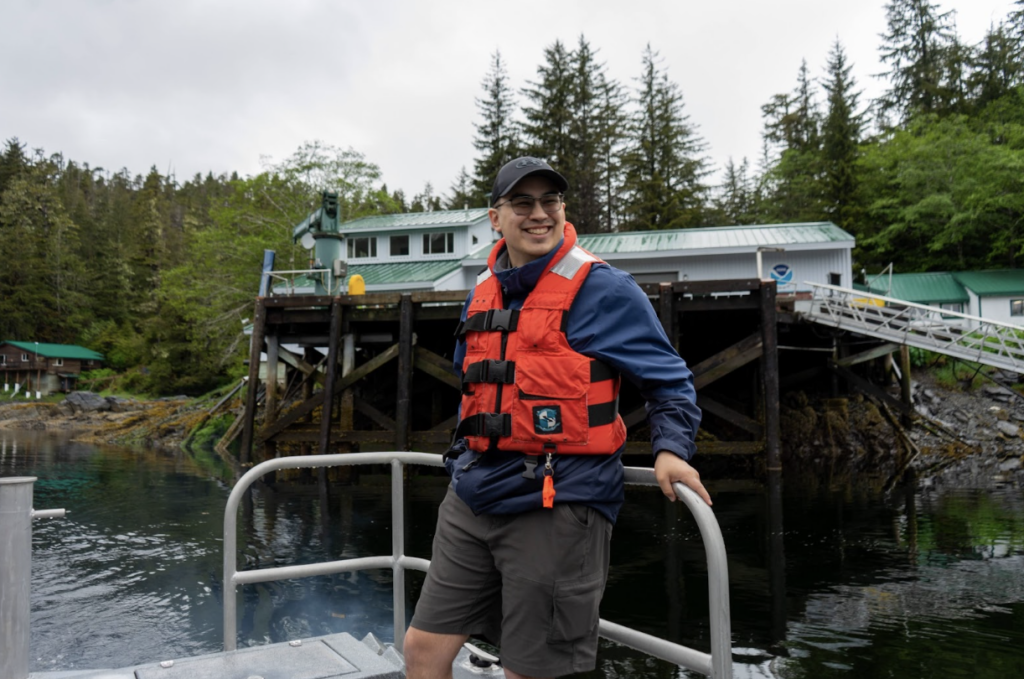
point(30, 367)
point(996, 295)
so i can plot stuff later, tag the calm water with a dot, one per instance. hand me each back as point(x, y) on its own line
point(823, 583)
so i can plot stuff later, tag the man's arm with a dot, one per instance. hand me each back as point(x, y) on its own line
point(613, 321)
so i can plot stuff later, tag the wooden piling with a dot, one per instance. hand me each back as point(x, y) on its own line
point(255, 349)
point(331, 374)
point(403, 414)
point(770, 372)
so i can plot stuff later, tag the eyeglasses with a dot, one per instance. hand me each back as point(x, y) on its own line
point(523, 205)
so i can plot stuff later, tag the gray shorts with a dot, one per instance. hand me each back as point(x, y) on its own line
point(530, 583)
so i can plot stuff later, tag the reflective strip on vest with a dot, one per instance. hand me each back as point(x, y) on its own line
point(571, 263)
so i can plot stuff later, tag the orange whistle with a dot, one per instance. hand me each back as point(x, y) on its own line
point(549, 492)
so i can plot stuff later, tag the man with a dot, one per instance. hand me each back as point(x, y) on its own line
point(521, 550)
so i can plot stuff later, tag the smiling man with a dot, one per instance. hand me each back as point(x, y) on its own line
point(520, 553)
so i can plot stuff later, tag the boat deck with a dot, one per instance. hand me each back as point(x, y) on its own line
point(336, 655)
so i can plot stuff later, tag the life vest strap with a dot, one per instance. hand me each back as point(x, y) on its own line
point(500, 424)
point(492, 320)
point(491, 425)
point(495, 372)
point(599, 372)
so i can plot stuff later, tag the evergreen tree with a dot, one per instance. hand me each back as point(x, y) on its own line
point(915, 49)
point(425, 201)
point(792, 182)
point(461, 196)
point(548, 112)
point(736, 202)
point(664, 166)
point(840, 140)
point(997, 67)
point(12, 163)
point(569, 123)
point(497, 137)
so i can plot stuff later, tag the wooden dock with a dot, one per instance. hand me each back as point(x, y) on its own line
point(392, 385)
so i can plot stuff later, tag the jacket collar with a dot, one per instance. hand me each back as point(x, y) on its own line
point(519, 281)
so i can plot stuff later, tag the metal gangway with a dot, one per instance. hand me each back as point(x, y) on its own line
point(968, 338)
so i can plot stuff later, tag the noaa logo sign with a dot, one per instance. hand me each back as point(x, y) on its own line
point(781, 274)
point(547, 419)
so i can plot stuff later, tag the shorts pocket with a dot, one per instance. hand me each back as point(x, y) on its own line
point(576, 608)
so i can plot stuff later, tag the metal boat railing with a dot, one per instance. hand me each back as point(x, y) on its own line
point(717, 663)
point(969, 338)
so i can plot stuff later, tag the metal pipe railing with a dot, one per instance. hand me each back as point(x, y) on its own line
point(717, 664)
point(16, 515)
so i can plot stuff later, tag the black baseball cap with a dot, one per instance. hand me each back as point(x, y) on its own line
point(512, 172)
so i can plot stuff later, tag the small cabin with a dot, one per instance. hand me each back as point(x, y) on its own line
point(995, 295)
point(45, 368)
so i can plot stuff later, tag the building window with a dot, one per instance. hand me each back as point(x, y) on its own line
point(58, 362)
point(1017, 307)
point(399, 245)
point(835, 279)
point(956, 307)
point(438, 243)
point(24, 358)
point(3, 360)
point(362, 247)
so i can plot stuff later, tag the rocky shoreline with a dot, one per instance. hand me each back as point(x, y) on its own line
point(93, 418)
point(961, 438)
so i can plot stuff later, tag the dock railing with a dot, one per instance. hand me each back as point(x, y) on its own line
point(716, 664)
point(966, 337)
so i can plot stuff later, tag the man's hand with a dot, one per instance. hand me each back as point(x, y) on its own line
point(669, 468)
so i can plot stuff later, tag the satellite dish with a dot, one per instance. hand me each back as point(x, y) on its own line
point(308, 241)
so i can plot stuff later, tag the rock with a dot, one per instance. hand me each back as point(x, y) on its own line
point(961, 415)
point(1001, 394)
point(1008, 429)
point(87, 402)
point(1010, 465)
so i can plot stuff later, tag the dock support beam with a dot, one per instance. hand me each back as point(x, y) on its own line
point(770, 370)
point(403, 404)
point(256, 348)
point(331, 376)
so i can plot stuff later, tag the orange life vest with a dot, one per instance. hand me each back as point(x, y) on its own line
point(524, 388)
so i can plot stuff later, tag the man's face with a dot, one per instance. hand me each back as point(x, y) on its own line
point(528, 237)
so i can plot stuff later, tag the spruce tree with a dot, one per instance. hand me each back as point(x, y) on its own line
point(497, 137)
point(792, 181)
point(840, 139)
point(548, 112)
point(664, 165)
point(461, 196)
point(915, 47)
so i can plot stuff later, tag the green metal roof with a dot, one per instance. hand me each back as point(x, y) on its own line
point(936, 287)
point(404, 272)
point(719, 237)
point(58, 350)
point(993, 283)
point(416, 220)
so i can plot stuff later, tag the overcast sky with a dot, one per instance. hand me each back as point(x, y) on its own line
point(214, 85)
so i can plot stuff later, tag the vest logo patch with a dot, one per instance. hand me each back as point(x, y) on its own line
point(547, 419)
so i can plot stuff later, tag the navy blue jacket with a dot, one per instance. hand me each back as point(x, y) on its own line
point(611, 320)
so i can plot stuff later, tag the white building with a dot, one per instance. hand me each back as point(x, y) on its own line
point(445, 250)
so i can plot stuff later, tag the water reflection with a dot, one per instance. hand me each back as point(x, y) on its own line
point(824, 583)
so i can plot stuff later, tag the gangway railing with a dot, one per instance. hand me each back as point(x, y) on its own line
point(716, 664)
point(966, 337)
point(284, 282)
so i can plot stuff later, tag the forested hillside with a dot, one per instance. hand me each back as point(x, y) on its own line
point(159, 274)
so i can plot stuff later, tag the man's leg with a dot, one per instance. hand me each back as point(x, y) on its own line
point(429, 655)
